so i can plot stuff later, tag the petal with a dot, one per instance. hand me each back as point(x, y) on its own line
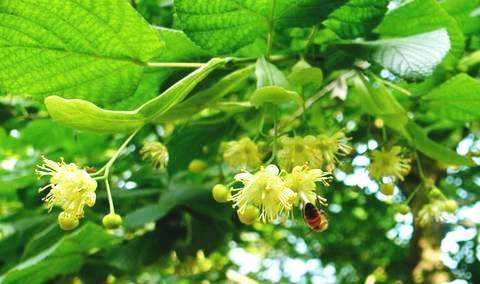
point(272, 169)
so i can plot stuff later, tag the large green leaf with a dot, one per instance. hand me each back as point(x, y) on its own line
point(65, 256)
point(223, 26)
point(178, 48)
point(84, 115)
point(419, 17)
point(462, 11)
point(457, 99)
point(85, 49)
point(356, 18)
point(411, 57)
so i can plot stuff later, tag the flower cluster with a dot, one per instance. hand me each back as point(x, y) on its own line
point(269, 194)
point(70, 188)
point(242, 154)
point(389, 163)
point(156, 152)
point(313, 151)
point(438, 209)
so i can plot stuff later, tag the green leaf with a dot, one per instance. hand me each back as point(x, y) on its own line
point(274, 95)
point(174, 196)
point(462, 11)
point(178, 48)
point(303, 74)
point(223, 26)
point(433, 149)
point(65, 256)
point(419, 17)
point(269, 75)
point(84, 115)
point(457, 99)
point(84, 49)
point(356, 18)
point(202, 99)
point(411, 57)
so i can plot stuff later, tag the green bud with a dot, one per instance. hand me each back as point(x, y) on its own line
point(403, 208)
point(387, 189)
point(197, 166)
point(67, 221)
point(249, 215)
point(451, 206)
point(112, 221)
point(435, 193)
point(221, 193)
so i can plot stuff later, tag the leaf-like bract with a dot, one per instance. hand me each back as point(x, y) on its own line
point(414, 56)
point(85, 49)
point(84, 115)
point(457, 99)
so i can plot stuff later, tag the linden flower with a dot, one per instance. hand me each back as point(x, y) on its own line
point(298, 151)
point(266, 191)
point(242, 154)
point(71, 188)
point(156, 152)
point(436, 211)
point(389, 164)
point(302, 181)
point(332, 146)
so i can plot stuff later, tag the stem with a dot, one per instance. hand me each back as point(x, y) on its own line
point(108, 166)
point(420, 167)
point(311, 38)
point(233, 61)
point(410, 197)
point(175, 64)
point(271, 24)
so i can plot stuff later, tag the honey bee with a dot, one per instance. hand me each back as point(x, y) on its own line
point(315, 218)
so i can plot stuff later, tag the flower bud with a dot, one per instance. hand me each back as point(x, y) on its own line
point(221, 193)
point(403, 209)
point(379, 123)
point(249, 215)
point(67, 221)
point(112, 221)
point(435, 193)
point(197, 166)
point(451, 206)
point(387, 189)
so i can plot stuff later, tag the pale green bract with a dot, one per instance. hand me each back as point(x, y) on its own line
point(84, 49)
point(84, 115)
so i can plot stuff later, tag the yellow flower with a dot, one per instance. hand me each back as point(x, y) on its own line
point(264, 190)
point(242, 154)
point(156, 152)
point(332, 146)
point(302, 181)
point(436, 211)
point(297, 151)
point(389, 164)
point(71, 188)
